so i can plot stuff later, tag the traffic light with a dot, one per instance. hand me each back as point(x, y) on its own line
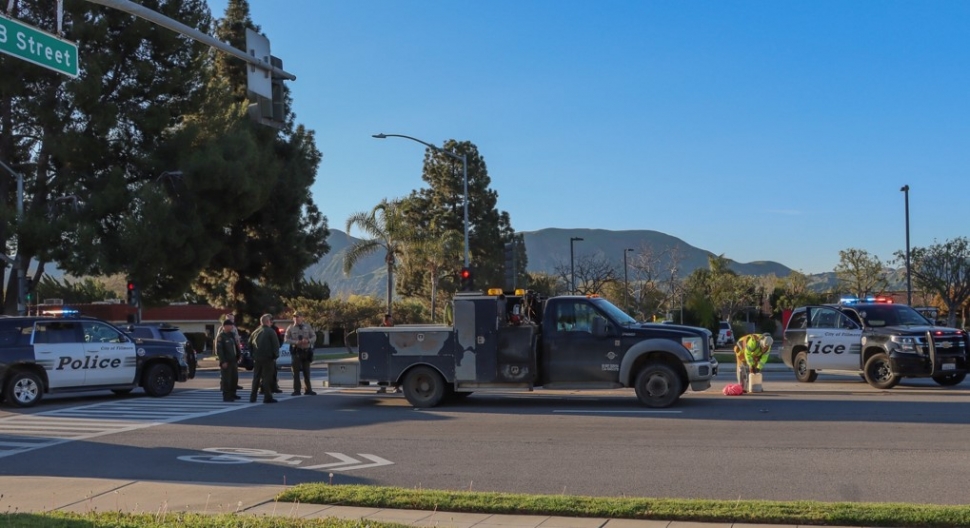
point(29, 291)
point(133, 296)
point(467, 282)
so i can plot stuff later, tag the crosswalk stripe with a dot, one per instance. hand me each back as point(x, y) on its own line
point(27, 432)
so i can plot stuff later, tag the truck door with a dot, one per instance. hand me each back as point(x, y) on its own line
point(572, 352)
point(57, 346)
point(834, 340)
point(110, 356)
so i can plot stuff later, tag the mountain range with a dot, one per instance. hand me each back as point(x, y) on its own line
point(545, 249)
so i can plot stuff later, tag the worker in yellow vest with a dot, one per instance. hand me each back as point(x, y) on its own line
point(752, 350)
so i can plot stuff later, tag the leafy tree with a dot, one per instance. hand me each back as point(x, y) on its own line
point(943, 269)
point(88, 142)
point(86, 290)
point(860, 273)
point(543, 283)
point(435, 254)
point(388, 232)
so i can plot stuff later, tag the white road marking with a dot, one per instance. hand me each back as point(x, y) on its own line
point(27, 432)
point(585, 411)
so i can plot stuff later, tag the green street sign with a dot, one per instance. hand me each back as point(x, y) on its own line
point(40, 47)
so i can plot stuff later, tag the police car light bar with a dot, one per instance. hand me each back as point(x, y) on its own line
point(851, 299)
point(64, 312)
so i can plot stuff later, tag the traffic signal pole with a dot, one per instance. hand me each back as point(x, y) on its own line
point(178, 27)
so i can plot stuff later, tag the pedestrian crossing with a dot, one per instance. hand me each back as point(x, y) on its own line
point(27, 432)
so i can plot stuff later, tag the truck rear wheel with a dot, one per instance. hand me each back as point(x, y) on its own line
point(879, 372)
point(802, 372)
point(424, 387)
point(658, 385)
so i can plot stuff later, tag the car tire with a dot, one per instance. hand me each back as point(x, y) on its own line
point(878, 372)
point(424, 387)
point(949, 380)
point(657, 385)
point(802, 372)
point(159, 380)
point(24, 389)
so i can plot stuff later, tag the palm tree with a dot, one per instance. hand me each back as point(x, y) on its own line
point(387, 230)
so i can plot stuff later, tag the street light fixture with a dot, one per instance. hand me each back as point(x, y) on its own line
point(909, 283)
point(626, 278)
point(572, 264)
point(464, 166)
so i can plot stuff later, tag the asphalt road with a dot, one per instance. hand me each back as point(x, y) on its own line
point(833, 440)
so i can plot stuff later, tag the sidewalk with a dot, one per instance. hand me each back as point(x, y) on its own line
point(81, 495)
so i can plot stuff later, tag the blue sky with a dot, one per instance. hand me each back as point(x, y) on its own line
point(762, 130)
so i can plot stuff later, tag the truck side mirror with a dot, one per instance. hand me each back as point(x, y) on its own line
point(599, 326)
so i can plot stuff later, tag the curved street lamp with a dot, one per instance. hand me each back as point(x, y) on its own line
point(464, 166)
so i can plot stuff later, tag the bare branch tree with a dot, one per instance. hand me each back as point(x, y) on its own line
point(592, 273)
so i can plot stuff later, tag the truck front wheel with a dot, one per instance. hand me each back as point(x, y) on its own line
point(658, 385)
point(424, 387)
point(879, 372)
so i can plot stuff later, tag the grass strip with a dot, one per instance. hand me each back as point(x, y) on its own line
point(174, 520)
point(895, 515)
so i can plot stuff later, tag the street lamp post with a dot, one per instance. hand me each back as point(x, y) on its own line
point(909, 283)
point(464, 166)
point(572, 265)
point(626, 279)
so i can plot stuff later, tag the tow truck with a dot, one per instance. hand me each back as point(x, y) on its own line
point(522, 341)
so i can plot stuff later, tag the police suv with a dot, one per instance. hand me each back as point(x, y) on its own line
point(881, 341)
point(40, 355)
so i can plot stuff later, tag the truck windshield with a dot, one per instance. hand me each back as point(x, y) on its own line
point(614, 313)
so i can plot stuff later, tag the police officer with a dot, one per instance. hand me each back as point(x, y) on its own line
point(265, 346)
point(227, 350)
point(301, 338)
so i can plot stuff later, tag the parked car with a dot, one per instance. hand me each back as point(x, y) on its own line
point(166, 332)
point(725, 336)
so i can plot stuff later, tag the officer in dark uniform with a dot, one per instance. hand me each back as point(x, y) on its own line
point(265, 344)
point(227, 350)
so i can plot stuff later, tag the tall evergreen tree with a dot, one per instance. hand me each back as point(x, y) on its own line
point(440, 208)
point(285, 231)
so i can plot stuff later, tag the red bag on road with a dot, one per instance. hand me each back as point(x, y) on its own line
point(733, 389)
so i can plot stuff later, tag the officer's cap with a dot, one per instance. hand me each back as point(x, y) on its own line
point(228, 322)
point(297, 314)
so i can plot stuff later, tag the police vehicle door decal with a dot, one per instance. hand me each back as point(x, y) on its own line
point(58, 349)
point(110, 358)
point(833, 341)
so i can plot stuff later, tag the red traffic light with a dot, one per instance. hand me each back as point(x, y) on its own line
point(465, 273)
point(131, 286)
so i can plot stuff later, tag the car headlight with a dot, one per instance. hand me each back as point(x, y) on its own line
point(906, 343)
point(695, 345)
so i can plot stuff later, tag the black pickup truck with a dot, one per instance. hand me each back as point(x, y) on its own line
point(521, 341)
